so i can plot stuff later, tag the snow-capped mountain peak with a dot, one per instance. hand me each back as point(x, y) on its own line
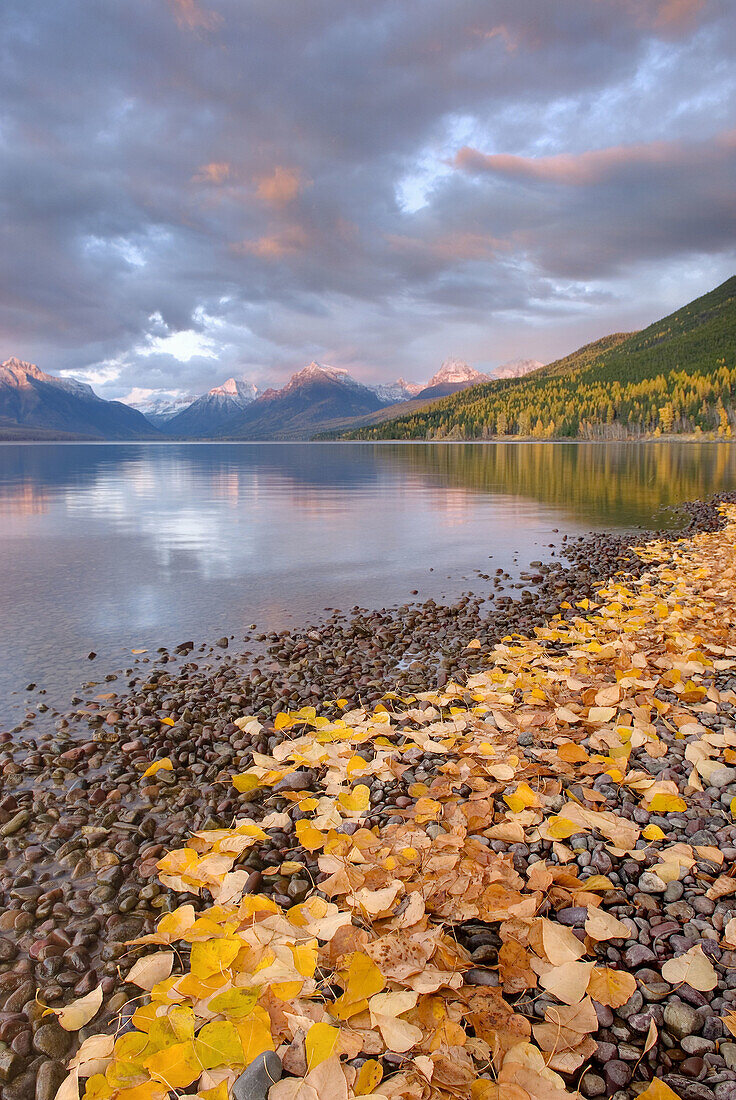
point(19, 373)
point(316, 372)
point(400, 390)
point(158, 405)
point(454, 372)
point(517, 368)
point(239, 390)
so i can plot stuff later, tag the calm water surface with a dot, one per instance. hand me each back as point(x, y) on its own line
point(112, 547)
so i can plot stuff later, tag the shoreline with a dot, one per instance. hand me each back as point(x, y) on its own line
point(80, 835)
point(360, 442)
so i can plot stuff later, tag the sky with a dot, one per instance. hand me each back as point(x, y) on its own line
point(194, 189)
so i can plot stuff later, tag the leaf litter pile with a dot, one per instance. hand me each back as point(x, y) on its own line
point(430, 960)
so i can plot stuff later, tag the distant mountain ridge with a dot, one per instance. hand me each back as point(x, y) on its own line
point(158, 406)
point(313, 395)
point(33, 401)
point(517, 368)
point(453, 375)
point(212, 413)
point(393, 392)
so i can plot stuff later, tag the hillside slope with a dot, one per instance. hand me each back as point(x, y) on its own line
point(677, 375)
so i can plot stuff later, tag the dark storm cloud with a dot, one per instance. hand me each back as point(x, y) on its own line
point(191, 189)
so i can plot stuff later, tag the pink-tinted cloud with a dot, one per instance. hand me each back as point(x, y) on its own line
point(216, 172)
point(279, 187)
point(275, 246)
point(666, 15)
point(191, 15)
point(448, 247)
point(598, 165)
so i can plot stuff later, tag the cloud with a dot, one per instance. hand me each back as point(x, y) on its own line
point(191, 15)
point(602, 165)
point(280, 187)
point(290, 240)
point(667, 15)
point(217, 172)
point(375, 184)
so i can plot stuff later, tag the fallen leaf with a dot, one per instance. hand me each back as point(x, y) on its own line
point(611, 987)
point(694, 968)
point(79, 1012)
point(149, 971)
point(320, 1043)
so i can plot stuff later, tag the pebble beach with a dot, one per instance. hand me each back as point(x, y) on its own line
point(82, 832)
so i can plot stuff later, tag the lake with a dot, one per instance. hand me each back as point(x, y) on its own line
point(107, 548)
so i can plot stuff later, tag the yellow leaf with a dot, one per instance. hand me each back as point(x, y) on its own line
point(255, 1034)
point(246, 781)
point(653, 832)
point(282, 721)
point(218, 1044)
point(571, 753)
point(181, 1021)
point(158, 765)
point(219, 1092)
point(320, 1043)
point(214, 956)
point(559, 828)
point(359, 799)
point(98, 1088)
point(521, 798)
point(305, 958)
point(369, 1075)
point(201, 988)
point(236, 1002)
point(474, 644)
point(667, 804)
point(360, 981)
point(167, 721)
point(148, 1090)
point(173, 925)
point(309, 837)
point(611, 987)
point(176, 1066)
point(598, 882)
point(426, 809)
point(286, 991)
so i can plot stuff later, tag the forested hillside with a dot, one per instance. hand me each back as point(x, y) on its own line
point(676, 376)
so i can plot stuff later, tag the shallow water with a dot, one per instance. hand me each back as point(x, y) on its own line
point(113, 547)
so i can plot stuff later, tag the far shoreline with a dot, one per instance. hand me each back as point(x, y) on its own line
point(356, 442)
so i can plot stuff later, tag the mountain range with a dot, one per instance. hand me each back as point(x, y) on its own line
point(677, 376)
point(33, 402)
point(315, 398)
